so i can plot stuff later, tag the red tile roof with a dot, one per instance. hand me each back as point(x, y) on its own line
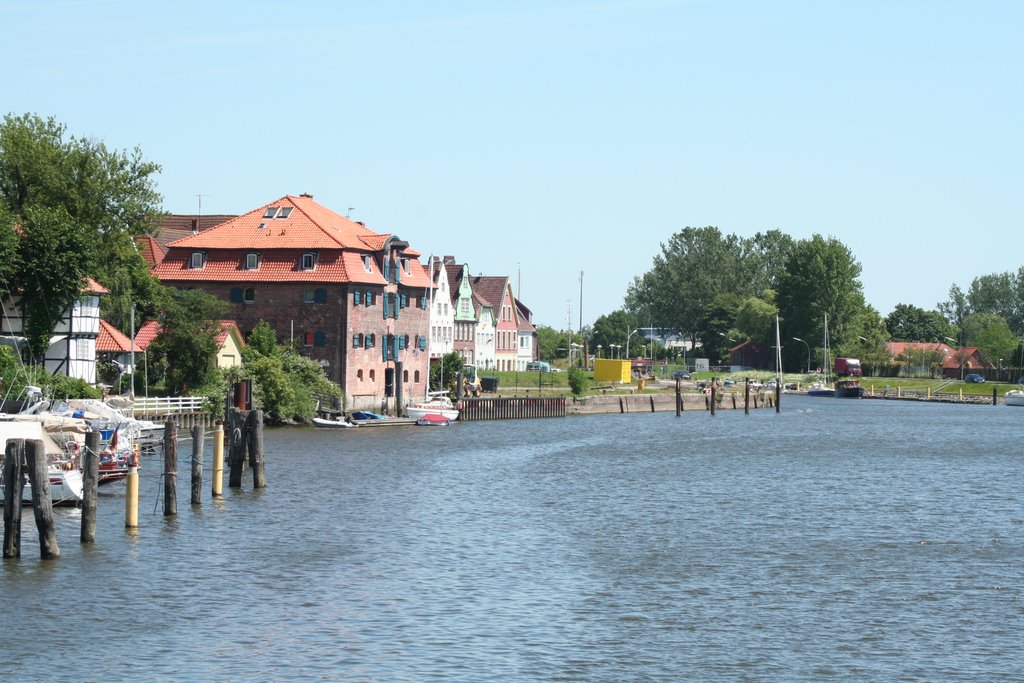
point(150, 249)
point(298, 226)
point(112, 340)
point(150, 330)
point(94, 287)
point(173, 226)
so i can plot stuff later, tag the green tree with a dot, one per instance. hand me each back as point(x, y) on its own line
point(549, 340)
point(187, 344)
point(715, 326)
point(610, 329)
point(444, 374)
point(822, 278)
point(991, 335)
point(578, 381)
point(955, 309)
point(755, 320)
point(78, 206)
point(910, 323)
point(1001, 294)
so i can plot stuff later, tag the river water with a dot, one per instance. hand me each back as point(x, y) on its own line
point(836, 540)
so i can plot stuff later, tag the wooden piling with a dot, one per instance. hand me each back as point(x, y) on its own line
point(14, 486)
point(197, 464)
point(237, 447)
point(90, 481)
point(714, 396)
point(733, 394)
point(746, 397)
point(778, 397)
point(218, 459)
point(679, 399)
point(995, 401)
point(170, 469)
point(254, 430)
point(42, 503)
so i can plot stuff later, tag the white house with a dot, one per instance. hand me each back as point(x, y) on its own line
point(442, 314)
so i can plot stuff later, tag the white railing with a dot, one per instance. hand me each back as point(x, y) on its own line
point(167, 405)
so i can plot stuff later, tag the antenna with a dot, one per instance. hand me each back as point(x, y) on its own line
point(348, 214)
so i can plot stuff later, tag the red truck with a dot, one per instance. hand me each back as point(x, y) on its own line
point(848, 367)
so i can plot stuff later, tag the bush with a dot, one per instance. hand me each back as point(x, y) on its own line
point(578, 381)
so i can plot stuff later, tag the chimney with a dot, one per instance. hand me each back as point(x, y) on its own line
point(306, 195)
point(195, 225)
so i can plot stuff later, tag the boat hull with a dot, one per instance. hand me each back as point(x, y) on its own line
point(417, 412)
point(1015, 398)
point(332, 424)
point(849, 390)
point(66, 488)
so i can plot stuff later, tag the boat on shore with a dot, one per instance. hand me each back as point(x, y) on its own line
point(433, 420)
point(437, 403)
point(327, 423)
point(1014, 397)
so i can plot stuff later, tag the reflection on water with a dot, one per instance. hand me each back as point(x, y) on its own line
point(853, 540)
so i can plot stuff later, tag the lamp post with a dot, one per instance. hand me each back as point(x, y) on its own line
point(627, 340)
point(598, 350)
point(808, 352)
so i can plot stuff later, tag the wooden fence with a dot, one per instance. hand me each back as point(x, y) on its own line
point(471, 409)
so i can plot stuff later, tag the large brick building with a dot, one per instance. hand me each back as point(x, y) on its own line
point(355, 300)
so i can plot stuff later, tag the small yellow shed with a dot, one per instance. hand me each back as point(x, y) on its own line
point(607, 370)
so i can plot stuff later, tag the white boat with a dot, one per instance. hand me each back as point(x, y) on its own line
point(64, 474)
point(437, 403)
point(1015, 397)
point(332, 424)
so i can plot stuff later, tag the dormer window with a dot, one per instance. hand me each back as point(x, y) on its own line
point(270, 212)
point(252, 261)
point(368, 263)
point(198, 259)
point(284, 212)
point(405, 265)
point(308, 261)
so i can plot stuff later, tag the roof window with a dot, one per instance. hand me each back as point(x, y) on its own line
point(284, 212)
point(270, 212)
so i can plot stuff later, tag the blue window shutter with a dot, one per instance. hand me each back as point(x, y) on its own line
point(387, 269)
point(423, 342)
point(356, 340)
point(367, 341)
point(398, 272)
point(357, 297)
point(401, 342)
point(236, 295)
point(320, 296)
point(319, 338)
point(384, 349)
point(404, 298)
point(394, 309)
point(386, 302)
point(394, 342)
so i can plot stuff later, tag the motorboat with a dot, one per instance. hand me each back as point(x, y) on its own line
point(849, 388)
point(64, 473)
point(436, 403)
point(433, 420)
point(328, 423)
point(1014, 397)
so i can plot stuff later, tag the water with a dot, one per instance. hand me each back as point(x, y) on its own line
point(838, 540)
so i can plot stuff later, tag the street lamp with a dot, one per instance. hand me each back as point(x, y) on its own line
point(598, 350)
point(627, 340)
point(808, 352)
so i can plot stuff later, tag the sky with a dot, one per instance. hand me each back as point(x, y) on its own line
point(561, 142)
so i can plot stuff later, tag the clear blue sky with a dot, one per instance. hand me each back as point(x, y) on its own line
point(542, 139)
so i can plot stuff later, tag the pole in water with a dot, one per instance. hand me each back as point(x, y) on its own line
point(170, 469)
point(197, 464)
point(218, 459)
point(14, 485)
point(42, 502)
point(90, 480)
point(131, 493)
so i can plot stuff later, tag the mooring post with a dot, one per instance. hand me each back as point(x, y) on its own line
point(131, 494)
point(733, 394)
point(197, 464)
point(236, 454)
point(679, 398)
point(746, 398)
point(14, 486)
point(218, 459)
point(995, 401)
point(778, 397)
point(254, 429)
point(170, 469)
point(42, 503)
point(90, 480)
point(714, 396)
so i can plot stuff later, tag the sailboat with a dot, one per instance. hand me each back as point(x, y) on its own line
point(823, 388)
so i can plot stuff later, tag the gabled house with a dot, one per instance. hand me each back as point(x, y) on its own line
point(527, 336)
point(72, 349)
point(115, 347)
point(466, 308)
point(442, 313)
point(498, 291)
point(954, 363)
point(750, 354)
point(356, 300)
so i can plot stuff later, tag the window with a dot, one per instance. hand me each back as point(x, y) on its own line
point(416, 375)
point(373, 375)
point(405, 376)
point(270, 212)
point(370, 341)
point(252, 261)
point(250, 295)
point(403, 300)
point(359, 374)
point(236, 295)
point(367, 263)
point(308, 296)
point(198, 259)
point(320, 296)
point(308, 261)
point(357, 297)
point(284, 212)
point(357, 340)
point(369, 298)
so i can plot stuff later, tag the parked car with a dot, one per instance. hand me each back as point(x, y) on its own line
point(974, 379)
point(538, 366)
point(680, 374)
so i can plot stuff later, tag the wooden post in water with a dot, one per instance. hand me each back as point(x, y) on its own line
point(236, 453)
point(42, 503)
point(733, 394)
point(197, 465)
point(778, 397)
point(170, 469)
point(218, 459)
point(90, 480)
point(714, 396)
point(995, 401)
point(746, 398)
point(679, 398)
point(254, 430)
point(14, 485)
